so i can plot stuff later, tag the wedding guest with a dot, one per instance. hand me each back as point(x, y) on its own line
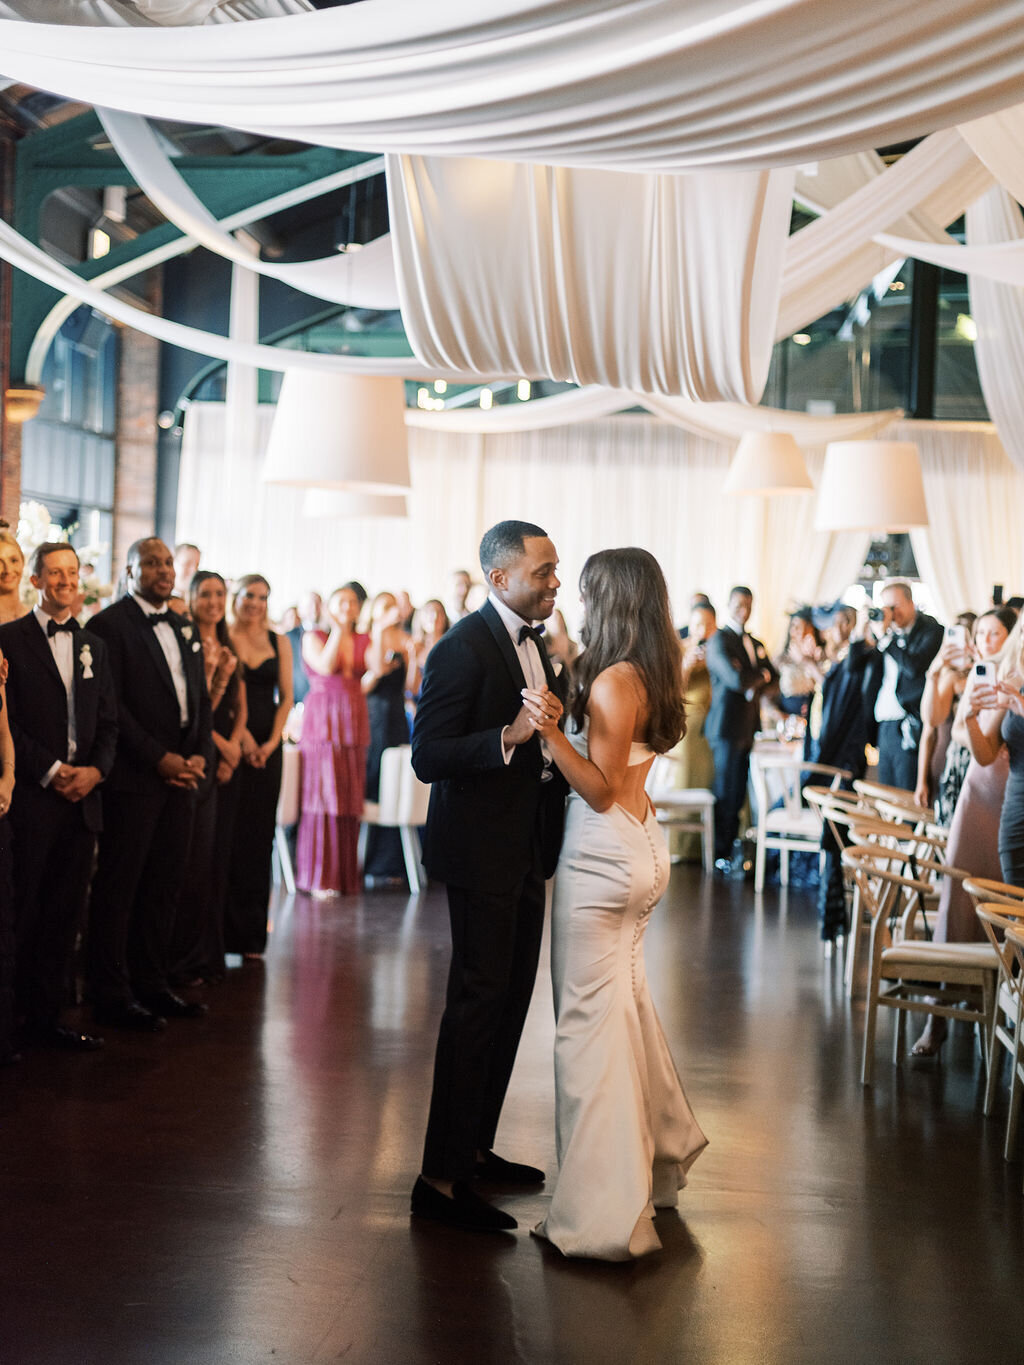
point(740, 672)
point(697, 599)
point(799, 667)
point(431, 622)
point(406, 610)
point(267, 660)
point(694, 765)
point(12, 568)
point(8, 1054)
point(311, 611)
point(293, 630)
point(973, 842)
point(837, 734)
point(561, 647)
point(388, 660)
point(995, 717)
point(186, 563)
point(894, 684)
point(164, 748)
point(198, 951)
point(942, 764)
point(335, 738)
point(461, 583)
point(63, 715)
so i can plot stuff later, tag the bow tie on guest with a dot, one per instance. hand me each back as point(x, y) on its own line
point(531, 633)
point(158, 618)
point(52, 627)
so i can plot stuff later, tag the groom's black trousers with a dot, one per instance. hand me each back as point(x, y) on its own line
point(495, 948)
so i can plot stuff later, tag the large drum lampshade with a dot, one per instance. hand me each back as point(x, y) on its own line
point(339, 431)
point(333, 502)
point(768, 462)
point(871, 486)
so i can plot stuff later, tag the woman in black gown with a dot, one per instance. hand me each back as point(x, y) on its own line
point(198, 947)
point(390, 657)
point(267, 659)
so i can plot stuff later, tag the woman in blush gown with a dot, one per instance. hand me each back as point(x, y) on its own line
point(625, 1133)
point(335, 738)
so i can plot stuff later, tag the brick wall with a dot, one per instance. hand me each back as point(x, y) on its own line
point(135, 479)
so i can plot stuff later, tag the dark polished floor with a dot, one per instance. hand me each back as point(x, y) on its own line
point(237, 1189)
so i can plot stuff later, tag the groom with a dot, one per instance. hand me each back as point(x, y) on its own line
point(493, 835)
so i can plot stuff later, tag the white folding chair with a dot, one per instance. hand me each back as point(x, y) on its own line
point(792, 826)
point(402, 804)
point(288, 810)
point(683, 808)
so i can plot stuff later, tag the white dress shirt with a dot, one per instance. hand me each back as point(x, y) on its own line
point(528, 653)
point(886, 705)
point(167, 639)
point(748, 645)
point(62, 647)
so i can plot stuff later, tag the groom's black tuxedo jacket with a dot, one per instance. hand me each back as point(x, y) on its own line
point(148, 713)
point(733, 716)
point(38, 708)
point(483, 813)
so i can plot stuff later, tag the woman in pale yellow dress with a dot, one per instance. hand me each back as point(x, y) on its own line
point(692, 764)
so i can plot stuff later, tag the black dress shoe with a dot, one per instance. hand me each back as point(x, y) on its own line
point(131, 1016)
point(463, 1210)
point(63, 1039)
point(172, 1006)
point(495, 1170)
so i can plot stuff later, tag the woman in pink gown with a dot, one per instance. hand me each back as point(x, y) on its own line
point(335, 737)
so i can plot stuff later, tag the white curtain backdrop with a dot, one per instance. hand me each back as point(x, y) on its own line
point(661, 284)
point(998, 141)
point(139, 13)
point(975, 535)
point(625, 84)
point(617, 481)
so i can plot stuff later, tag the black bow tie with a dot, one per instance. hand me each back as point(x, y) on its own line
point(158, 618)
point(52, 627)
point(531, 633)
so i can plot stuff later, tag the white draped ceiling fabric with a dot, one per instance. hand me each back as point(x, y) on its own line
point(592, 277)
point(647, 85)
point(998, 311)
point(148, 13)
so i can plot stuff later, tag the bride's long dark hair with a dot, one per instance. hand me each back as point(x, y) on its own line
point(628, 619)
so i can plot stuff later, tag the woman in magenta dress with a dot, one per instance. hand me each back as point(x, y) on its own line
point(335, 737)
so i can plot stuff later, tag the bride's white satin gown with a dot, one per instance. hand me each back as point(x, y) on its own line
point(625, 1132)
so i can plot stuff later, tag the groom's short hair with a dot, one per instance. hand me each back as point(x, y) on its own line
point(503, 543)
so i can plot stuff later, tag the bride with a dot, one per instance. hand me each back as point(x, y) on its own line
point(625, 1133)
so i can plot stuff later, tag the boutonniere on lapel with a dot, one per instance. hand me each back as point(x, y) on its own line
point(85, 659)
point(186, 634)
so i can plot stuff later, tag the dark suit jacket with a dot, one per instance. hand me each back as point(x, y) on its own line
point(148, 714)
point(843, 733)
point(483, 813)
point(913, 652)
point(732, 716)
point(38, 708)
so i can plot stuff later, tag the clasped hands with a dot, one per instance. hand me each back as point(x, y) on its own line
point(74, 783)
point(540, 714)
point(186, 773)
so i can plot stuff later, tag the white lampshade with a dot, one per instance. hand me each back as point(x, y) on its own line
point(334, 502)
point(871, 486)
point(339, 431)
point(768, 462)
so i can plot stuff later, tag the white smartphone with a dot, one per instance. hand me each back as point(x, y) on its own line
point(985, 672)
point(957, 635)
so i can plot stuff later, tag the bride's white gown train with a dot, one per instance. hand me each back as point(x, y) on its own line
point(626, 1135)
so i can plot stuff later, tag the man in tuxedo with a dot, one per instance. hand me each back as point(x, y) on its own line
point(894, 682)
point(63, 716)
point(493, 834)
point(740, 671)
point(164, 748)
